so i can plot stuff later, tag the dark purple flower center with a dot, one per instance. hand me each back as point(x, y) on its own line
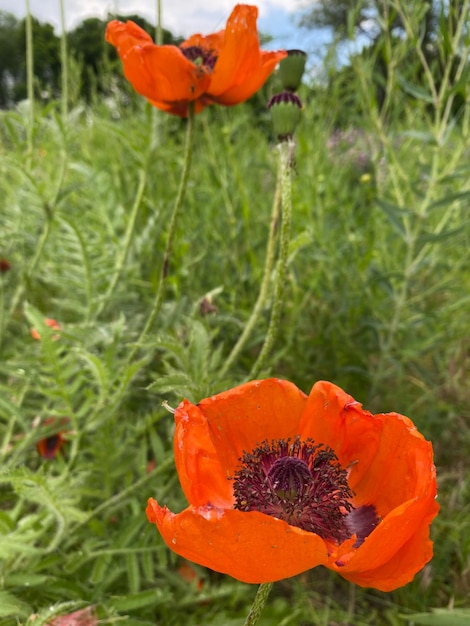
point(302, 483)
point(199, 56)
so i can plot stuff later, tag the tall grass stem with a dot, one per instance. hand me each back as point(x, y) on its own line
point(63, 64)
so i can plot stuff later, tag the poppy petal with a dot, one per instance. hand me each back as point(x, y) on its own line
point(389, 461)
point(49, 447)
point(390, 534)
point(245, 416)
point(180, 108)
point(380, 562)
point(201, 476)
point(160, 73)
point(251, 547)
point(331, 417)
point(242, 92)
point(209, 43)
point(240, 63)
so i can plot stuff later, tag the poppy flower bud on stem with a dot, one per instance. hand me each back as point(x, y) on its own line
point(285, 114)
point(291, 69)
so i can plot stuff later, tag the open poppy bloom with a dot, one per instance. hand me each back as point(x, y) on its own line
point(226, 67)
point(279, 482)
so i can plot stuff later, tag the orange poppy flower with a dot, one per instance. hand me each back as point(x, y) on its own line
point(226, 67)
point(279, 482)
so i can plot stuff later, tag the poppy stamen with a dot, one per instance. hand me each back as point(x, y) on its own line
point(199, 56)
point(300, 482)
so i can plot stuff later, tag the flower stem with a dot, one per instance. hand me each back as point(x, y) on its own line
point(63, 65)
point(285, 165)
point(263, 291)
point(30, 78)
point(171, 230)
point(128, 239)
point(258, 604)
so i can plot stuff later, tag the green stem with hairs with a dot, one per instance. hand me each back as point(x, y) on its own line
point(63, 65)
point(30, 77)
point(285, 165)
point(258, 604)
point(171, 231)
point(263, 291)
point(156, 115)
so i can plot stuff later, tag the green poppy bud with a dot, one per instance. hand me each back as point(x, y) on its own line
point(292, 68)
point(285, 114)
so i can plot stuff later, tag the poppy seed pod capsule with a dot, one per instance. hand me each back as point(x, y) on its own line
point(285, 114)
point(291, 69)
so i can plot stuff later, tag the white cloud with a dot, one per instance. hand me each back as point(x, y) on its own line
point(181, 17)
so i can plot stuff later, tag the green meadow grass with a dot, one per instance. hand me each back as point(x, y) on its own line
point(376, 300)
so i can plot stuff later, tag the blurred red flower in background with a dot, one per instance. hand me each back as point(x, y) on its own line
point(83, 617)
point(48, 322)
point(5, 265)
point(49, 447)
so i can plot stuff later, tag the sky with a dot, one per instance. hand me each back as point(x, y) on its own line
point(277, 18)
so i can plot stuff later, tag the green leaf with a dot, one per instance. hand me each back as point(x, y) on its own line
point(8, 409)
point(449, 199)
point(436, 237)
point(441, 617)
point(137, 600)
point(11, 605)
point(395, 215)
point(417, 92)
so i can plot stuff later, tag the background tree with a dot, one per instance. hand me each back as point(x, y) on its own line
point(46, 60)
point(88, 46)
point(10, 57)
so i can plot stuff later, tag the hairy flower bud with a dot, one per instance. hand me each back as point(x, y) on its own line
point(291, 69)
point(285, 114)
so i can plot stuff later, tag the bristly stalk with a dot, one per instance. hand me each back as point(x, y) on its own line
point(63, 64)
point(30, 77)
point(258, 604)
point(171, 231)
point(158, 28)
point(264, 287)
point(285, 165)
point(156, 115)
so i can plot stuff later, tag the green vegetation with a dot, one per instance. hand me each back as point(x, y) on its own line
point(376, 300)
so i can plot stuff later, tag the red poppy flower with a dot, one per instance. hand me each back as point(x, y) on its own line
point(279, 482)
point(227, 67)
